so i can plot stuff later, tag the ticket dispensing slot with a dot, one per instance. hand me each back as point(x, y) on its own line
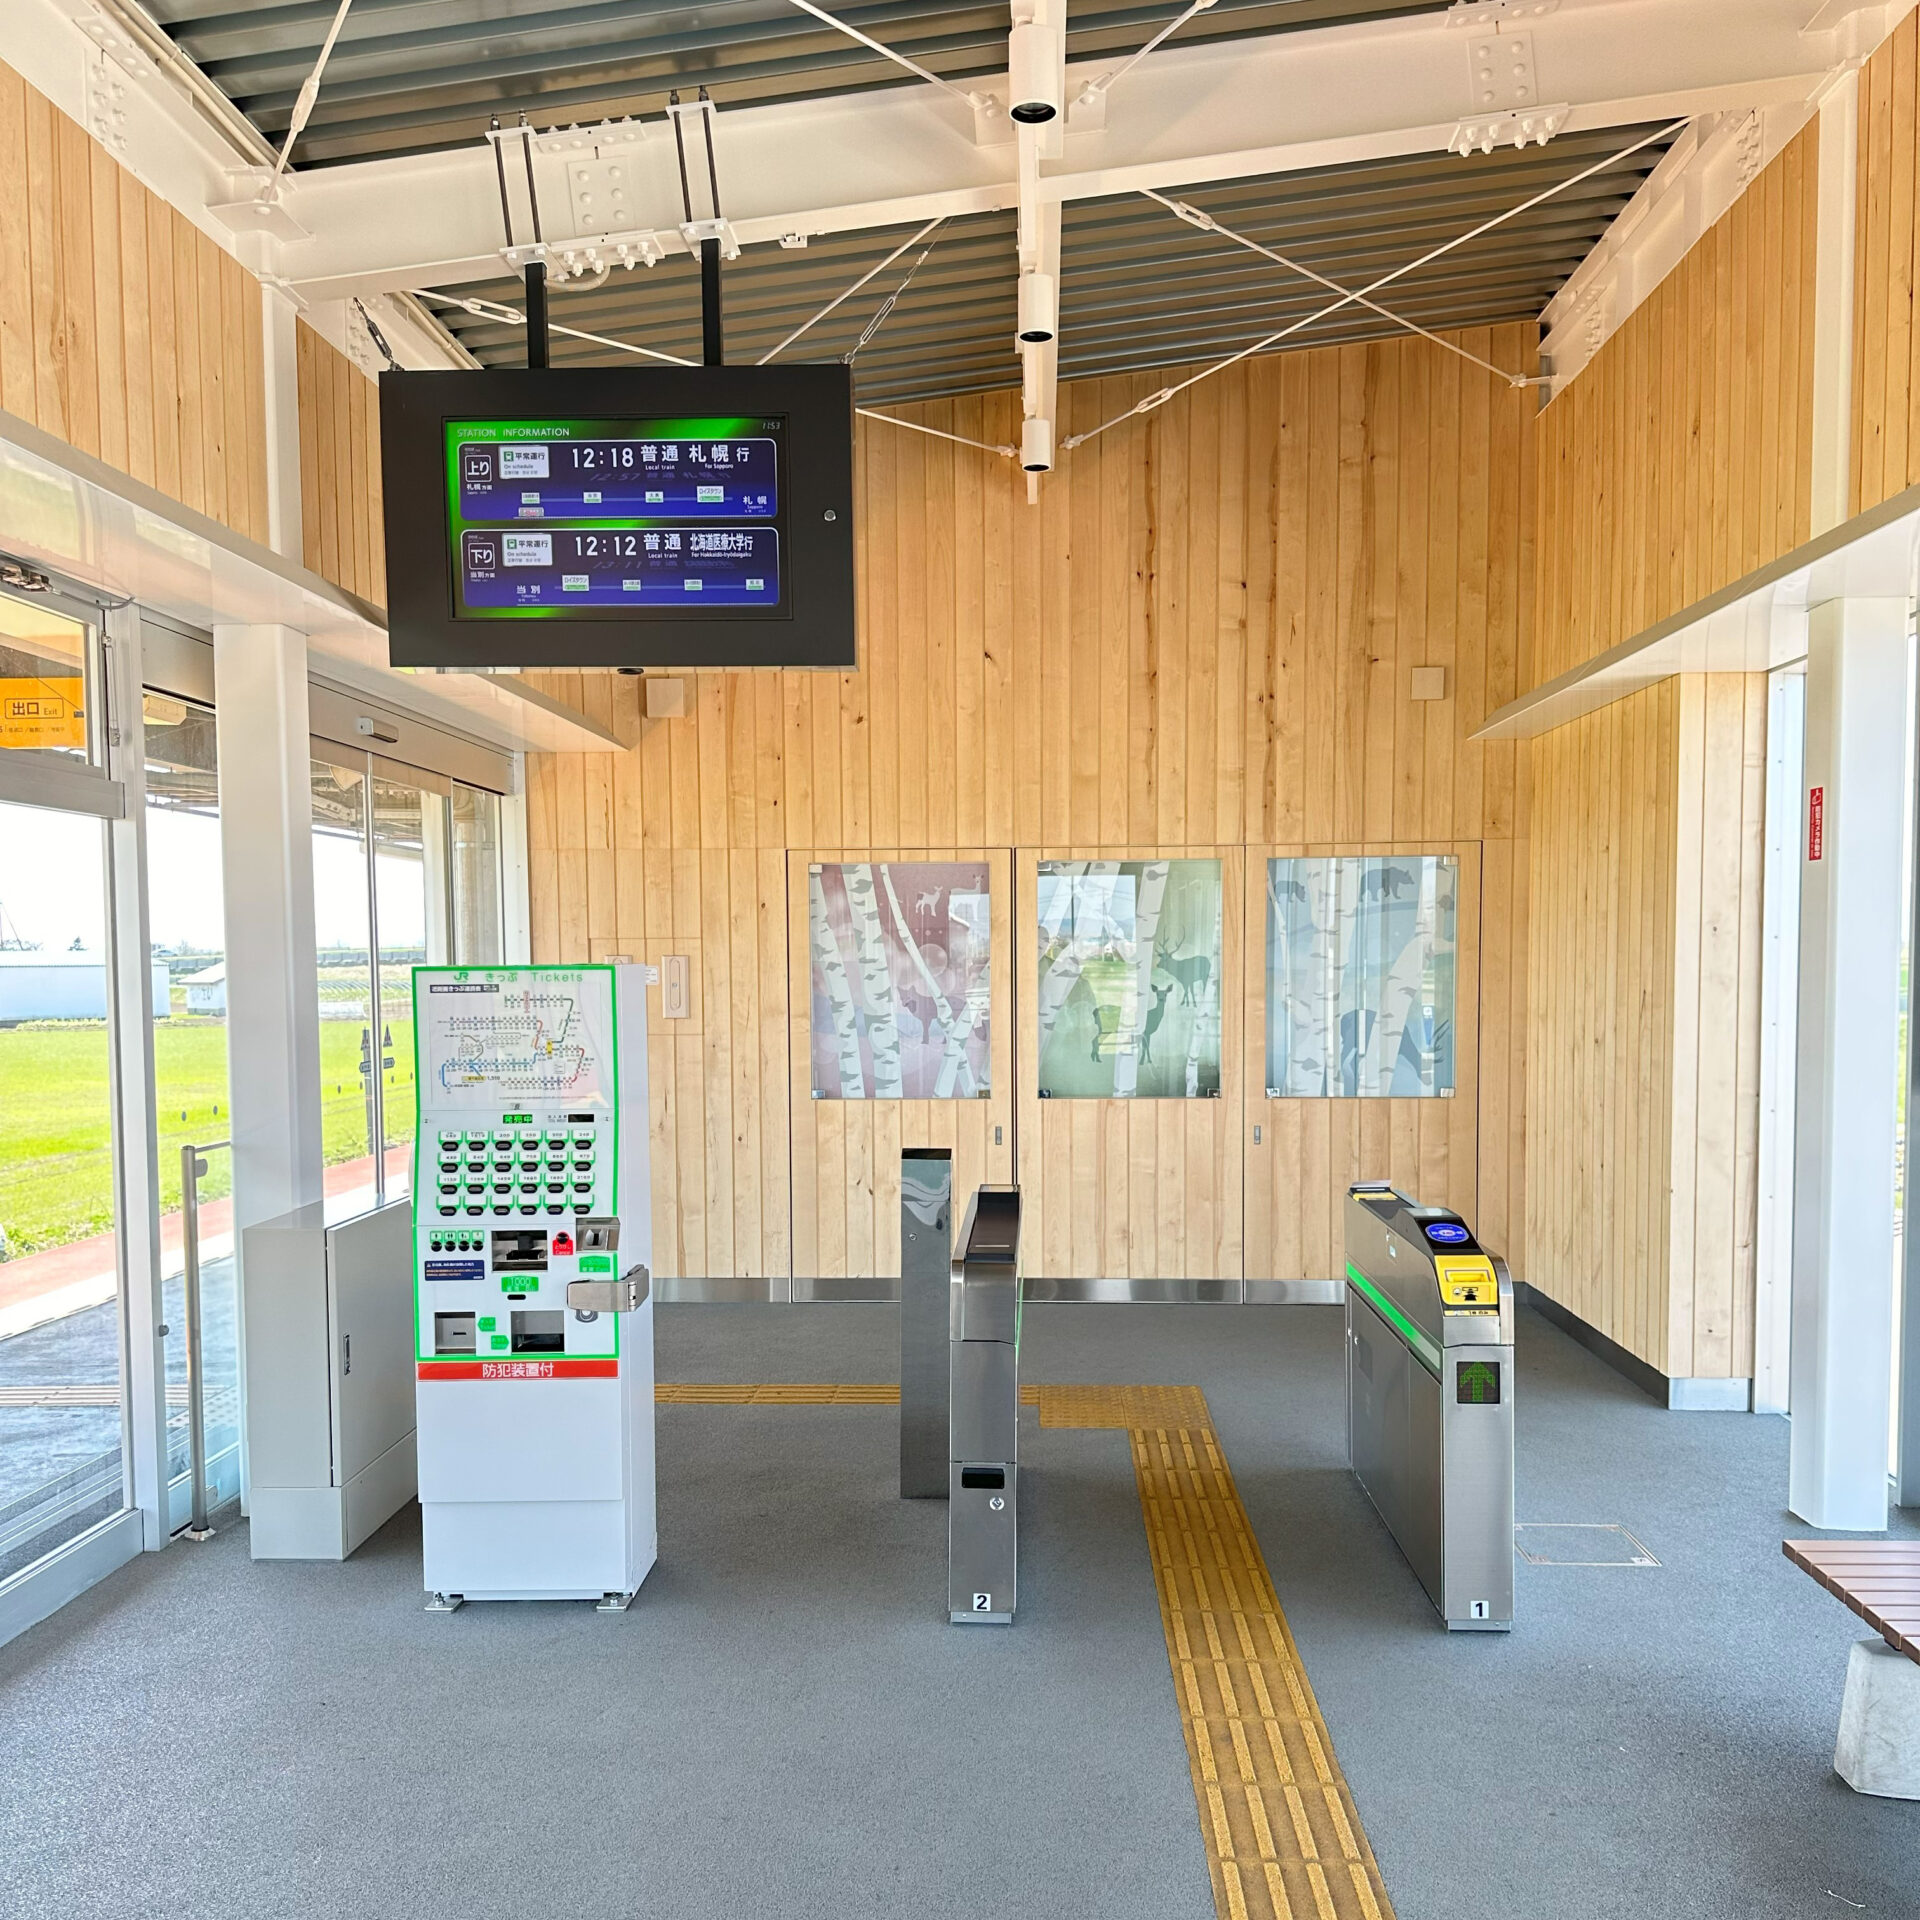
point(1430, 1398)
point(536, 1330)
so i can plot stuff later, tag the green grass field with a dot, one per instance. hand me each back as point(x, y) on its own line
point(56, 1162)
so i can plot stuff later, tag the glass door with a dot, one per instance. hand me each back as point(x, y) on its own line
point(406, 870)
point(62, 1432)
point(342, 925)
point(401, 813)
point(188, 948)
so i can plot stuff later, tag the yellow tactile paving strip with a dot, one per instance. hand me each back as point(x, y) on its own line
point(856, 1393)
point(1282, 1835)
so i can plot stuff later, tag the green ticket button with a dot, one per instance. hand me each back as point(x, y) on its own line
point(595, 1263)
point(487, 1323)
point(498, 1341)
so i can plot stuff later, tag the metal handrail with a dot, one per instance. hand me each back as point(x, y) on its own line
point(199, 1527)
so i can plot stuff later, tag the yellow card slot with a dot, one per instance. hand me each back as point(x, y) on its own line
point(1466, 1280)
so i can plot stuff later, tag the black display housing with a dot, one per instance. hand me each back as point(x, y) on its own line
point(815, 627)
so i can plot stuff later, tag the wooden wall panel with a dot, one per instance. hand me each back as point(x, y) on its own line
point(1200, 639)
point(125, 330)
point(1886, 378)
point(846, 1153)
point(342, 525)
point(1643, 1091)
point(1680, 457)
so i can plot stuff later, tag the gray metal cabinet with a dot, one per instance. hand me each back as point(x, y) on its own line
point(328, 1312)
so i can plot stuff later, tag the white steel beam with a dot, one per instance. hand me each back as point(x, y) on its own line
point(1711, 164)
point(1188, 115)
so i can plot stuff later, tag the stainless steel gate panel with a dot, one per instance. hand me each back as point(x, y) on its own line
point(983, 1535)
point(1430, 1398)
point(926, 1278)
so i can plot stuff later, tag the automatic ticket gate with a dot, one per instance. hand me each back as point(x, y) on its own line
point(1430, 1398)
point(983, 1530)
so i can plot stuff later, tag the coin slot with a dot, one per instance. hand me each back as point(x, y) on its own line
point(453, 1333)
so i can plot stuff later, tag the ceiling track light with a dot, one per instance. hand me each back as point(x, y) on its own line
point(1039, 308)
point(1036, 74)
point(1036, 444)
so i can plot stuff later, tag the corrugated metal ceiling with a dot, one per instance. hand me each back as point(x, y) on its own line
point(413, 75)
point(1139, 288)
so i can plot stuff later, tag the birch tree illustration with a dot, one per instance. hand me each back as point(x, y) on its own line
point(1282, 1005)
point(1206, 1016)
point(876, 981)
point(1149, 899)
point(1080, 894)
point(1388, 987)
point(833, 975)
point(1316, 1006)
point(955, 1068)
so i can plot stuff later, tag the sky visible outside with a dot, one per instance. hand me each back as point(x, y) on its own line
point(53, 870)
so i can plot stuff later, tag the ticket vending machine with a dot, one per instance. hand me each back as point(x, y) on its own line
point(533, 1321)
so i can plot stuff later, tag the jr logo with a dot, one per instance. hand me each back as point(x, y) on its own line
point(983, 1603)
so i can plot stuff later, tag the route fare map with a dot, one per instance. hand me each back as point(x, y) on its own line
point(500, 1036)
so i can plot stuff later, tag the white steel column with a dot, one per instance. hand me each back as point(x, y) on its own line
point(1779, 1010)
point(280, 353)
point(516, 900)
point(1851, 834)
point(136, 1156)
point(273, 988)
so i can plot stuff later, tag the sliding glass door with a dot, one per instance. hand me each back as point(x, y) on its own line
point(406, 870)
point(62, 1458)
point(63, 1432)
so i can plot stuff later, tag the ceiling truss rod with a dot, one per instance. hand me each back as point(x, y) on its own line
point(1195, 217)
point(905, 246)
point(310, 90)
point(1164, 394)
point(970, 100)
point(506, 316)
point(1095, 88)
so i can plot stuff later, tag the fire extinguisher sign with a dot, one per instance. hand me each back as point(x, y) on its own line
point(1816, 822)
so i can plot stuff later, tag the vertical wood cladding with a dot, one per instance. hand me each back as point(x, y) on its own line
point(342, 530)
point(1199, 641)
point(1680, 458)
point(124, 330)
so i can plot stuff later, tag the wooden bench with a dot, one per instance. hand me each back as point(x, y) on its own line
point(1878, 1750)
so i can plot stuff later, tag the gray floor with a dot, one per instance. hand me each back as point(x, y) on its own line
point(783, 1724)
point(60, 1468)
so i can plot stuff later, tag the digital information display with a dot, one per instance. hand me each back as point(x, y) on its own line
point(1477, 1383)
point(616, 519)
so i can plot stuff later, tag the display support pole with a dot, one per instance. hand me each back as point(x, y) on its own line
point(713, 351)
point(536, 314)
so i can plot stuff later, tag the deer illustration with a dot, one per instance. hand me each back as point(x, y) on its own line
point(1192, 973)
point(928, 902)
point(1154, 1016)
